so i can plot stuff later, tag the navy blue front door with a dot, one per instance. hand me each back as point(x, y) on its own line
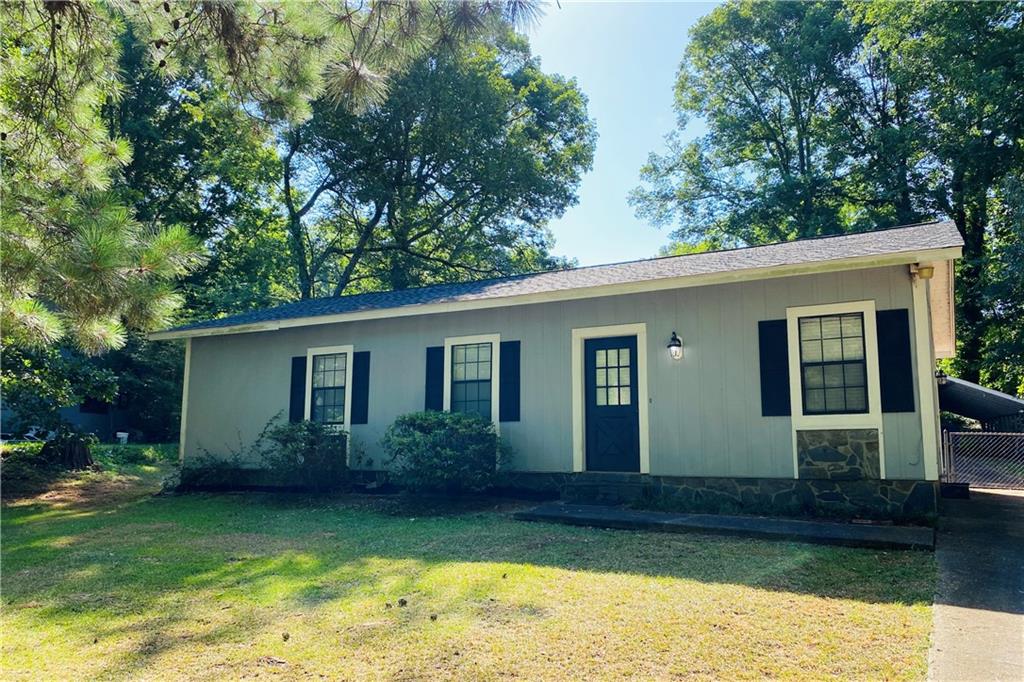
point(612, 413)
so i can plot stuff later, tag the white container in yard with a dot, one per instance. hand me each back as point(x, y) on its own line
point(122, 437)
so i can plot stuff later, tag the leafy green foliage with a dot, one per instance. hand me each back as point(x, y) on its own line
point(87, 274)
point(134, 134)
point(454, 175)
point(1003, 343)
point(78, 268)
point(202, 162)
point(307, 453)
point(78, 263)
point(826, 118)
point(148, 382)
point(443, 451)
point(763, 75)
point(26, 472)
point(36, 383)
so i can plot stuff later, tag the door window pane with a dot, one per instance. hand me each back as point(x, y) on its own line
point(612, 379)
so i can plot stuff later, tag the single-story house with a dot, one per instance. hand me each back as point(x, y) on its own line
point(792, 376)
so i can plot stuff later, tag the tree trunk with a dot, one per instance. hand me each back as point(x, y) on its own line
point(68, 453)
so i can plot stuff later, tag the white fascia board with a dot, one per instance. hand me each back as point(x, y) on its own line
point(646, 286)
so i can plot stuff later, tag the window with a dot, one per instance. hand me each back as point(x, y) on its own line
point(832, 364)
point(471, 379)
point(327, 404)
point(613, 383)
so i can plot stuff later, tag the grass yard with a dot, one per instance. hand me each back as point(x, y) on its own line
point(101, 579)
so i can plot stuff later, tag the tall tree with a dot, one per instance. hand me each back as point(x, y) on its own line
point(94, 240)
point(763, 76)
point(455, 174)
point(79, 267)
point(825, 118)
point(202, 162)
point(964, 65)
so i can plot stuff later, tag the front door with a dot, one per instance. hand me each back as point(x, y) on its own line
point(612, 413)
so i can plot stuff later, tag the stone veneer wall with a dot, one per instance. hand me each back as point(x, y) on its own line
point(838, 454)
point(877, 499)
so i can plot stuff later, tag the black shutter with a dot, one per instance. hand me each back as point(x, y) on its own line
point(771, 336)
point(895, 370)
point(361, 387)
point(434, 399)
point(297, 400)
point(508, 382)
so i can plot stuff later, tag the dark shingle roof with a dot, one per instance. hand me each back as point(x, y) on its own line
point(913, 238)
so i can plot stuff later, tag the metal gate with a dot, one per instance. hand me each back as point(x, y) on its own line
point(983, 459)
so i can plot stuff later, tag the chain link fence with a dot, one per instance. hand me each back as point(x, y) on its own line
point(984, 459)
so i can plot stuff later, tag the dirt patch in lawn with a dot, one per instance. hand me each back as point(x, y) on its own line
point(95, 489)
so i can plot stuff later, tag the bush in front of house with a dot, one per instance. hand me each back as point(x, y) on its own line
point(305, 453)
point(301, 455)
point(443, 451)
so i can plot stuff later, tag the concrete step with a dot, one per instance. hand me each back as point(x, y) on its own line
point(800, 530)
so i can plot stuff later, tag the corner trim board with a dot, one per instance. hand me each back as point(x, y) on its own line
point(924, 353)
point(184, 403)
point(579, 335)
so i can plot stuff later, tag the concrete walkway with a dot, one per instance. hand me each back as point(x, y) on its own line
point(979, 604)
point(818, 532)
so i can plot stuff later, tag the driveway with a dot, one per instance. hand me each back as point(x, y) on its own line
point(979, 605)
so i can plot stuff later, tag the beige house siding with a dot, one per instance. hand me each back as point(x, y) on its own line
point(704, 410)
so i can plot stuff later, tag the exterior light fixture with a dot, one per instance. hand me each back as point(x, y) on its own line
point(675, 347)
point(918, 271)
point(941, 377)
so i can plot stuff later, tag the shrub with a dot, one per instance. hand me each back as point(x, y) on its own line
point(443, 451)
point(304, 453)
point(136, 453)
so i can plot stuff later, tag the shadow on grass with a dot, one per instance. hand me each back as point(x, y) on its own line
point(138, 565)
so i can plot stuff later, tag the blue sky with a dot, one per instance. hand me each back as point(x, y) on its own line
point(625, 56)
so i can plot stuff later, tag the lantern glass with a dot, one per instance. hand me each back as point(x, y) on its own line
point(675, 347)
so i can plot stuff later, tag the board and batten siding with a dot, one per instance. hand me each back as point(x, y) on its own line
point(705, 410)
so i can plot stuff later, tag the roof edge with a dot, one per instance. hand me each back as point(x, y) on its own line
point(624, 288)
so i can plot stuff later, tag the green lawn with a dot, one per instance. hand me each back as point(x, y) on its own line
point(101, 579)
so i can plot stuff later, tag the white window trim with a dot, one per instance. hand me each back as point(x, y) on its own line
point(331, 350)
point(872, 419)
point(495, 341)
point(581, 334)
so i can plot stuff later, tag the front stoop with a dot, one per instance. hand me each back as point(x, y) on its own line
point(816, 532)
point(594, 487)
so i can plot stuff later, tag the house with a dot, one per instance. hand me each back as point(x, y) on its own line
point(794, 377)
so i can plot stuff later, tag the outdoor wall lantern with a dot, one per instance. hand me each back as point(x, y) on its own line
point(941, 377)
point(675, 347)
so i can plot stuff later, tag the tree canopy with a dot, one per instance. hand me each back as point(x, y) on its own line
point(140, 165)
point(80, 266)
point(826, 118)
point(453, 176)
